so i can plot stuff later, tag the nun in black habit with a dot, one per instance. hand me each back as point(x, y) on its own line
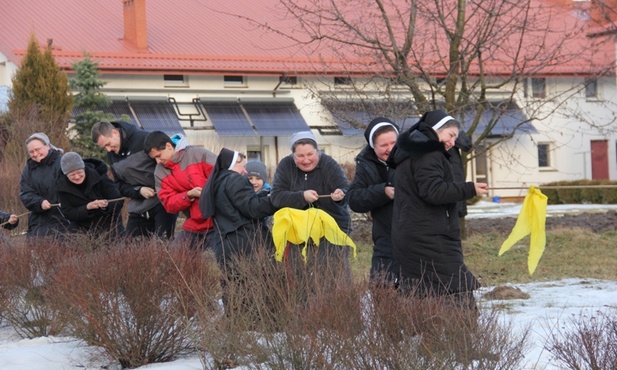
point(237, 212)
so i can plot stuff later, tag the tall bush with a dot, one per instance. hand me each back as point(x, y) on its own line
point(133, 299)
point(27, 271)
point(39, 84)
point(89, 101)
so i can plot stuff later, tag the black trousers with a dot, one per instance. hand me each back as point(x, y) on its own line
point(156, 221)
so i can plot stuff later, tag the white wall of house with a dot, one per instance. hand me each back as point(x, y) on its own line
point(7, 70)
point(568, 130)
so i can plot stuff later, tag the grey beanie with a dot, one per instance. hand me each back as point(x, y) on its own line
point(299, 136)
point(70, 162)
point(257, 168)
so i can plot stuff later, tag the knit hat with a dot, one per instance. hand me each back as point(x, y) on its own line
point(70, 162)
point(299, 136)
point(257, 168)
point(436, 118)
point(375, 125)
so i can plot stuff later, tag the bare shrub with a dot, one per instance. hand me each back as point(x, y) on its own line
point(27, 270)
point(295, 320)
point(587, 343)
point(133, 299)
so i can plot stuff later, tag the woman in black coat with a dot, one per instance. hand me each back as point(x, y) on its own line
point(425, 223)
point(372, 190)
point(37, 188)
point(237, 212)
point(84, 191)
point(310, 178)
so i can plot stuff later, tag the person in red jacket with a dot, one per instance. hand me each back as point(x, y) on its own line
point(181, 173)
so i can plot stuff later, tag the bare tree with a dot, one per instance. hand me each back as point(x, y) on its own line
point(474, 58)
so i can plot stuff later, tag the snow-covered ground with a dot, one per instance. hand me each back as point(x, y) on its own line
point(550, 306)
point(484, 209)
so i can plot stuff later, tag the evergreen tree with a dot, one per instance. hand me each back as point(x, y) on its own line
point(88, 99)
point(40, 85)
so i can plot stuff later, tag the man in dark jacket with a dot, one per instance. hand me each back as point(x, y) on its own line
point(88, 197)
point(372, 190)
point(133, 171)
point(425, 223)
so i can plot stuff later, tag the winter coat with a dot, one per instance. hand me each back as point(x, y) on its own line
point(74, 199)
point(4, 217)
point(237, 214)
point(190, 167)
point(462, 143)
point(37, 184)
point(425, 223)
point(132, 168)
point(367, 194)
point(290, 183)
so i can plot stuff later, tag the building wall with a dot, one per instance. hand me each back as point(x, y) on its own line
point(343, 148)
point(569, 129)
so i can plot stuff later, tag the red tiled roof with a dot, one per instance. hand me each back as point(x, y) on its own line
point(211, 36)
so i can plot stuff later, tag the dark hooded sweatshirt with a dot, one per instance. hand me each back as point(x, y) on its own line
point(132, 168)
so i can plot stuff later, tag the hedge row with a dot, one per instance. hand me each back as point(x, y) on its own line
point(583, 194)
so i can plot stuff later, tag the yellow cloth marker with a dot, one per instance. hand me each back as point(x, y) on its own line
point(531, 220)
point(298, 226)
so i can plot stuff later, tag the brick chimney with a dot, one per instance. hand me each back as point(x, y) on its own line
point(135, 30)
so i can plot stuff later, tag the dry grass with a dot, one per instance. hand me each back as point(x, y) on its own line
point(568, 253)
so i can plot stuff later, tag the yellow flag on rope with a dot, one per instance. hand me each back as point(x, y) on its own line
point(531, 220)
point(298, 226)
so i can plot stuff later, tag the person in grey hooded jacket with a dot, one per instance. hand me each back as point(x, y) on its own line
point(133, 172)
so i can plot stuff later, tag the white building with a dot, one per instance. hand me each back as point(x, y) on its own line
point(198, 68)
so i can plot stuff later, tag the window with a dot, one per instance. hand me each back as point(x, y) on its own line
point(591, 88)
point(544, 157)
point(342, 81)
point(288, 81)
point(253, 153)
point(538, 87)
point(234, 81)
point(175, 81)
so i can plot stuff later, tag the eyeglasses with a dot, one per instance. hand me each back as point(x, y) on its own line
point(76, 173)
point(35, 150)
